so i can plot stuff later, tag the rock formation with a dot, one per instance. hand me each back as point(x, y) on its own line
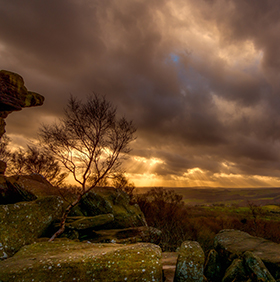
point(239, 256)
point(22, 223)
point(14, 96)
point(64, 260)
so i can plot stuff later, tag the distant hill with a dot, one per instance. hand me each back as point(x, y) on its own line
point(226, 196)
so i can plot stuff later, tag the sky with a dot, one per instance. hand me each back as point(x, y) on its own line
point(200, 80)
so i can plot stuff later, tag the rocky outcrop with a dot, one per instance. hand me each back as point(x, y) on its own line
point(114, 201)
point(22, 223)
point(190, 262)
point(14, 96)
point(75, 261)
point(240, 256)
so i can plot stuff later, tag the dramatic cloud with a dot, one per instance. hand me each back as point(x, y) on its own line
point(200, 79)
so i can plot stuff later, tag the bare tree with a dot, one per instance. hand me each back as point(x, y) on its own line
point(90, 141)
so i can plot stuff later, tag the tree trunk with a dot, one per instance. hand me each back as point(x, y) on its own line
point(64, 217)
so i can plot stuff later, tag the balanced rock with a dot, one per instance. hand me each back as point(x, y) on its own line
point(190, 262)
point(64, 260)
point(14, 96)
point(22, 223)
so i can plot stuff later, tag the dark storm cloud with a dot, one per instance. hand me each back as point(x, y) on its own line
point(183, 71)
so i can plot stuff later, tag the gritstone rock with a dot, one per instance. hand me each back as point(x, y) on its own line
point(190, 261)
point(64, 260)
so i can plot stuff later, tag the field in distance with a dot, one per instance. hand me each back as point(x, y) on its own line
point(225, 196)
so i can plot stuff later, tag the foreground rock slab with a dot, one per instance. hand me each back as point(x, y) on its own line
point(65, 260)
point(231, 244)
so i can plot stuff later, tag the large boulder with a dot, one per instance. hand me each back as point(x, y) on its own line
point(22, 223)
point(75, 261)
point(232, 244)
point(14, 96)
point(190, 262)
point(104, 200)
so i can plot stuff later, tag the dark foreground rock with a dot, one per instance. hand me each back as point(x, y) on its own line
point(22, 223)
point(74, 261)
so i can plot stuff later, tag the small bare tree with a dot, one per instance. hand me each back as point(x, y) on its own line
point(90, 141)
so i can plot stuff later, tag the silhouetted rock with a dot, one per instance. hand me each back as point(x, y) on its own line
point(14, 96)
point(23, 222)
point(74, 261)
point(190, 262)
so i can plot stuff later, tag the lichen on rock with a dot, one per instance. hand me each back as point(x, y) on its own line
point(190, 262)
point(23, 222)
point(64, 260)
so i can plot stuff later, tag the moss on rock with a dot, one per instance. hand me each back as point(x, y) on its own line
point(110, 200)
point(23, 222)
point(64, 260)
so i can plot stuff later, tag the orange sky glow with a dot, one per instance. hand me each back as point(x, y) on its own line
point(200, 80)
